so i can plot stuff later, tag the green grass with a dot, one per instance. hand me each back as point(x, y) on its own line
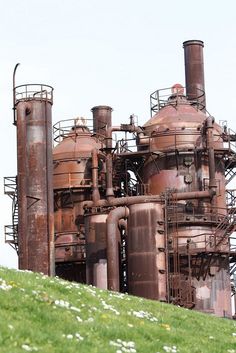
point(41, 314)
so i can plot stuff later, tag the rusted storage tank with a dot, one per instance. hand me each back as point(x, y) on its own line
point(146, 251)
point(180, 161)
point(33, 105)
point(178, 138)
point(72, 184)
point(186, 153)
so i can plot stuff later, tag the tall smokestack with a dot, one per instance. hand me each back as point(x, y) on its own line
point(34, 178)
point(194, 71)
point(101, 119)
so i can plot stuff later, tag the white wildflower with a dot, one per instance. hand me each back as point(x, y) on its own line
point(69, 336)
point(172, 349)
point(10, 327)
point(90, 319)
point(109, 307)
point(75, 309)
point(79, 337)
point(62, 303)
point(127, 347)
point(4, 285)
point(143, 315)
point(79, 319)
point(27, 348)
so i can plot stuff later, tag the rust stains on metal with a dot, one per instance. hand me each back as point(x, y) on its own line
point(35, 193)
point(194, 71)
point(168, 180)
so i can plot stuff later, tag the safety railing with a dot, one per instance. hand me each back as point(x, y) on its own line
point(33, 91)
point(11, 236)
point(71, 179)
point(9, 185)
point(173, 96)
point(71, 127)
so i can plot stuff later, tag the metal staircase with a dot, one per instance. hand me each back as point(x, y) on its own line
point(11, 231)
point(225, 228)
point(230, 168)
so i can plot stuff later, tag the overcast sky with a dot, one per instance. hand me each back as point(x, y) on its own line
point(109, 52)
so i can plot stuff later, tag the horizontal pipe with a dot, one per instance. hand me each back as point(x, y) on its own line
point(113, 274)
point(131, 200)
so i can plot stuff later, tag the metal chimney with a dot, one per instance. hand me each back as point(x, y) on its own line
point(101, 119)
point(194, 72)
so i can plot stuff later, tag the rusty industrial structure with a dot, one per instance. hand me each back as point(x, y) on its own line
point(148, 214)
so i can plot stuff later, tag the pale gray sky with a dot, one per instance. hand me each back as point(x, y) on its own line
point(109, 52)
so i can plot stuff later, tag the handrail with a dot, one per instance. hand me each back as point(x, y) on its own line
point(27, 92)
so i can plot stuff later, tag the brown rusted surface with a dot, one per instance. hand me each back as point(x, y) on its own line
point(101, 119)
point(213, 293)
point(96, 250)
point(36, 225)
point(113, 258)
point(194, 71)
point(145, 245)
point(95, 193)
point(72, 159)
point(175, 245)
point(22, 113)
point(75, 178)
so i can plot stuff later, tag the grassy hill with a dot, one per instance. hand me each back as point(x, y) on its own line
point(42, 314)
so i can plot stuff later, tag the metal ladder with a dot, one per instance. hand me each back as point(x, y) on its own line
point(11, 231)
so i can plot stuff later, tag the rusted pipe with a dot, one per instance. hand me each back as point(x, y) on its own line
point(22, 112)
point(131, 200)
point(14, 93)
point(122, 224)
point(95, 192)
point(194, 71)
point(211, 156)
point(113, 273)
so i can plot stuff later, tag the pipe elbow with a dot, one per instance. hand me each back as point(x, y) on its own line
point(117, 214)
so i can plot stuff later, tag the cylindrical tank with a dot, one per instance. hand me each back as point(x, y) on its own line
point(180, 161)
point(34, 164)
point(96, 250)
point(72, 184)
point(146, 251)
point(101, 119)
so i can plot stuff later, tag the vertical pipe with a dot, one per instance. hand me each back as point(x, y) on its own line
point(36, 220)
point(49, 188)
point(194, 71)
point(101, 119)
point(95, 192)
point(113, 263)
point(211, 158)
